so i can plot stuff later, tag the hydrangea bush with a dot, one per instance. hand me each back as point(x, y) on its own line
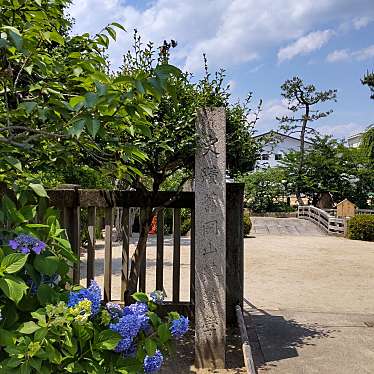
point(35, 258)
point(49, 326)
point(82, 335)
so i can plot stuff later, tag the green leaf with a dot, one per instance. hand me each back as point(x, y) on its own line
point(74, 101)
point(93, 126)
point(13, 262)
point(118, 25)
point(46, 264)
point(77, 128)
point(150, 346)
point(56, 37)
point(164, 333)
point(13, 288)
point(7, 337)
point(14, 36)
point(140, 296)
point(107, 340)
point(28, 328)
point(14, 162)
point(29, 106)
point(38, 189)
point(29, 68)
point(47, 295)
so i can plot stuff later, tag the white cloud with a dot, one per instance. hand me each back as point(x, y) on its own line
point(231, 32)
point(305, 45)
point(341, 130)
point(338, 55)
point(361, 22)
point(345, 54)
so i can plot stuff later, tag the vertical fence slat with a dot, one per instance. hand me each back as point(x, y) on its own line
point(125, 227)
point(108, 254)
point(160, 251)
point(72, 225)
point(192, 259)
point(176, 254)
point(143, 266)
point(91, 244)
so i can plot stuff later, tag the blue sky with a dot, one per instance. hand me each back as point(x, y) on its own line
point(260, 43)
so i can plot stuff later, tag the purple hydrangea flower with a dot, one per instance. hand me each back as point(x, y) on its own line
point(92, 293)
point(152, 364)
point(27, 243)
point(179, 326)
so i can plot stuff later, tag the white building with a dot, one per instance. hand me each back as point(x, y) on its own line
point(273, 151)
point(354, 141)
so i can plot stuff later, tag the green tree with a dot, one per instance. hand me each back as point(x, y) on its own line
point(265, 190)
point(368, 80)
point(302, 100)
point(171, 148)
point(59, 105)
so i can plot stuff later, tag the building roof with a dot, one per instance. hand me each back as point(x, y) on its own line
point(272, 132)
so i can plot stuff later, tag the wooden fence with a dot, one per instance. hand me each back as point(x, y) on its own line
point(72, 201)
point(323, 219)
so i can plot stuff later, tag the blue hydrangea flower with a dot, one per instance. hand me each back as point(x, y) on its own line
point(92, 293)
point(128, 328)
point(26, 243)
point(152, 364)
point(114, 310)
point(157, 297)
point(140, 310)
point(179, 326)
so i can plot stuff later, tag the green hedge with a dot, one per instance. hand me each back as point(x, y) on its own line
point(247, 223)
point(361, 227)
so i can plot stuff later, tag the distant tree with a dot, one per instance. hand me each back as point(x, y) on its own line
point(367, 143)
point(368, 80)
point(265, 190)
point(302, 100)
point(331, 167)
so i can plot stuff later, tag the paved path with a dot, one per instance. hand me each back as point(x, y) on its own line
point(284, 226)
point(310, 304)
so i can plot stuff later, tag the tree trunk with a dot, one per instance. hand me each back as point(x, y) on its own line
point(302, 155)
point(137, 257)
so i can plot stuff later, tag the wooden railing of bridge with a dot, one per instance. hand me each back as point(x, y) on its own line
point(323, 219)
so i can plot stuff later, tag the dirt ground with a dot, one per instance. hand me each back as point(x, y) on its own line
point(310, 302)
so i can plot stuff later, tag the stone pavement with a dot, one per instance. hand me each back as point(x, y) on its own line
point(310, 304)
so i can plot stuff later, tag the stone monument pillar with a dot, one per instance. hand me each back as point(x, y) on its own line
point(210, 234)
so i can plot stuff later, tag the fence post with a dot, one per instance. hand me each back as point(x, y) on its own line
point(234, 250)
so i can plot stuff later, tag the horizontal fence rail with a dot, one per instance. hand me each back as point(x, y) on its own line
point(323, 219)
point(332, 212)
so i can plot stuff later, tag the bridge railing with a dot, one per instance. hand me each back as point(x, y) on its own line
point(323, 219)
point(332, 212)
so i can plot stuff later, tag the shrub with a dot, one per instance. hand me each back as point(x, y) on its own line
point(361, 227)
point(48, 326)
point(247, 223)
